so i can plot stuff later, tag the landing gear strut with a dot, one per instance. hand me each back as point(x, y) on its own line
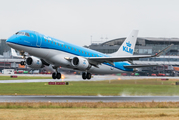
point(86, 75)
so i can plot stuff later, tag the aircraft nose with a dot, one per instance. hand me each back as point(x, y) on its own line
point(11, 41)
point(8, 41)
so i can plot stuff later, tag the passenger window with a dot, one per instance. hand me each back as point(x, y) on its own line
point(82, 51)
point(48, 40)
point(58, 44)
point(55, 43)
point(95, 55)
point(72, 48)
point(45, 40)
point(79, 50)
point(88, 53)
point(68, 47)
point(75, 49)
point(85, 53)
point(52, 42)
point(62, 45)
point(92, 54)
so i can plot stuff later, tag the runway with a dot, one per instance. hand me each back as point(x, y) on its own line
point(78, 78)
point(66, 79)
point(6, 98)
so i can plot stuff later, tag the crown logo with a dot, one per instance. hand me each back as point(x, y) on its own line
point(128, 44)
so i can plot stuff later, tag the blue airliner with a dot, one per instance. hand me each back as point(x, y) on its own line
point(45, 51)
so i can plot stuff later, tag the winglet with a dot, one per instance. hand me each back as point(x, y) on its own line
point(162, 51)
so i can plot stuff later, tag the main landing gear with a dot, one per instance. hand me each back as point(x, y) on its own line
point(86, 75)
point(56, 75)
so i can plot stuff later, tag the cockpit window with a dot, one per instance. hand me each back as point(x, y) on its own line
point(20, 33)
point(23, 33)
point(27, 34)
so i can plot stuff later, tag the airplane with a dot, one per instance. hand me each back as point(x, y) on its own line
point(48, 51)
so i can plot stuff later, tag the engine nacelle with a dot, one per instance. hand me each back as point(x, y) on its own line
point(34, 62)
point(80, 63)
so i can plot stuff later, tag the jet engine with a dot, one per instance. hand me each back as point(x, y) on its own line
point(34, 62)
point(80, 63)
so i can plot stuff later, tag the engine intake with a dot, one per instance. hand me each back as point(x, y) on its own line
point(80, 63)
point(34, 62)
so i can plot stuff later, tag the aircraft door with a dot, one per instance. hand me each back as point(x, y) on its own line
point(39, 40)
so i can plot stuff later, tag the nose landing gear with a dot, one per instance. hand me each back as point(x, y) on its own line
point(24, 57)
point(86, 75)
point(22, 62)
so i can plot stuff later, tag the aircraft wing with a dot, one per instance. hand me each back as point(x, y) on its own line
point(110, 60)
point(139, 66)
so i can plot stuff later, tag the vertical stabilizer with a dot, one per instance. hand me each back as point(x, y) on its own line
point(127, 47)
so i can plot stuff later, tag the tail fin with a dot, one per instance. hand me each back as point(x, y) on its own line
point(127, 47)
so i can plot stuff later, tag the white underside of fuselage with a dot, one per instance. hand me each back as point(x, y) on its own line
point(57, 58)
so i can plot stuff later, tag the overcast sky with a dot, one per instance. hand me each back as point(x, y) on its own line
point(76, 21)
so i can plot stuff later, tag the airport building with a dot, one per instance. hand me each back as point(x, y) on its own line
point(4, 48)
point(6, 59)
point(144, 45)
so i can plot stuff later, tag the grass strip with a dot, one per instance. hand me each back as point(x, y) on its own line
point(115, 87)
point(91, 114)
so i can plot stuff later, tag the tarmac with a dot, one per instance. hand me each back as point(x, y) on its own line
point(79, 78)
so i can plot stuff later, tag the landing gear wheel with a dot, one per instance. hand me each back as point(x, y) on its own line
point(54, 75)
point(84, 75)
point(88, 76)
point(58, 76)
